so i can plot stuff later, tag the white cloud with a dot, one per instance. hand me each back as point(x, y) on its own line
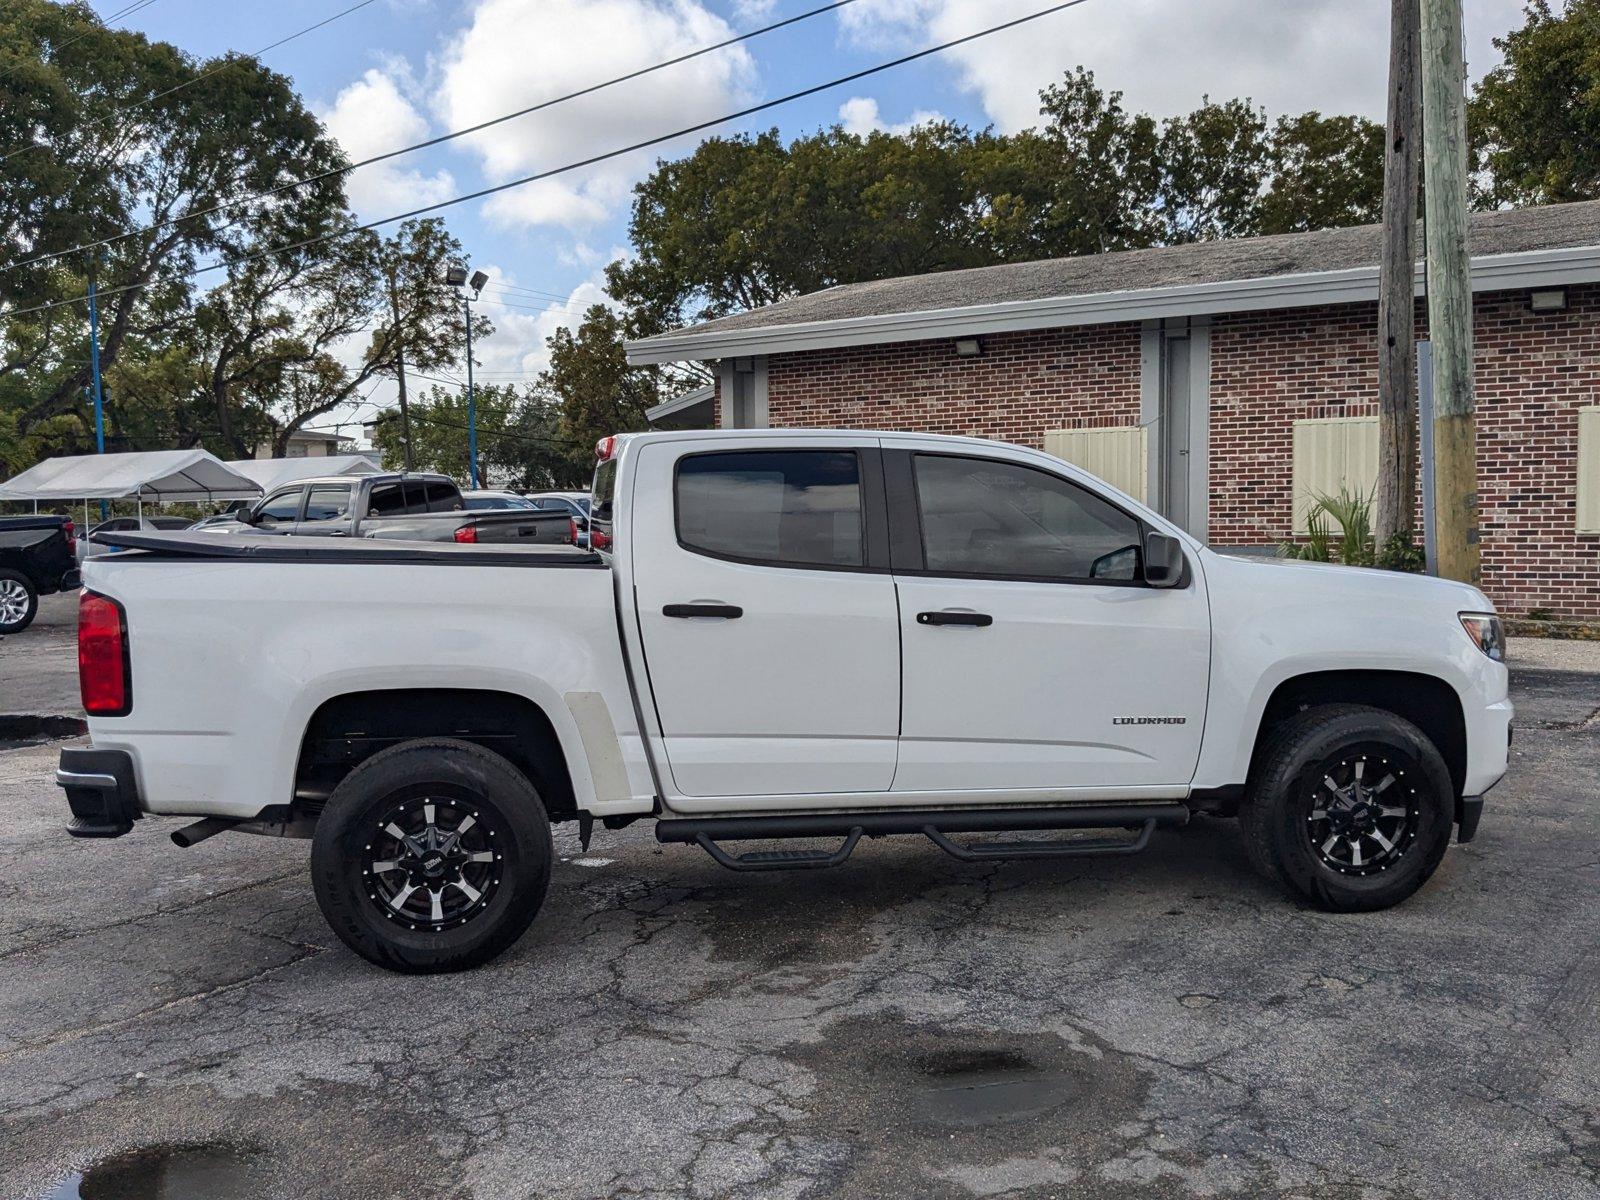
point(523, 322)
point(859, 115)
point(372, 116)
point(515, 53)
point(753, 10)
point(1291, 56)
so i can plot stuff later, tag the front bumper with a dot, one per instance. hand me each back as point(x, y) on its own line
point(101, 792)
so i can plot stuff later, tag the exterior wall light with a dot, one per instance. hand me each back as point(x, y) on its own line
point(1548, 300)
point(968, 347)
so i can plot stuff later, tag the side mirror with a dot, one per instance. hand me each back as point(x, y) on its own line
point(1163, 560)
point(249, 516)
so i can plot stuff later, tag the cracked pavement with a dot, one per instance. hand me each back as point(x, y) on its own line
point(904, 1025)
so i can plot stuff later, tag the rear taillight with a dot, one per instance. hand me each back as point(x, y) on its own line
point(598, 540)
point(104, 678)
point(71, 531)
point(605, 449)
point(467, 535)
point(572, 530)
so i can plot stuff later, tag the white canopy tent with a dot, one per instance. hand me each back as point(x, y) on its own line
point(268, 473)
point(148, 476)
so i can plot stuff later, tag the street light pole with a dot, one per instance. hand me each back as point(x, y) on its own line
point(472, 400)
point(456, 276)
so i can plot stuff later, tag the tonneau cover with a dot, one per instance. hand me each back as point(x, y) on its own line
point(286, 549)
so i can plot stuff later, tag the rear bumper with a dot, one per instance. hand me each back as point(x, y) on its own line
point(102, 792)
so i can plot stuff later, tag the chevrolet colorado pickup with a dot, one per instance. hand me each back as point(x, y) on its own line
point(791, 634)
point(38, 556)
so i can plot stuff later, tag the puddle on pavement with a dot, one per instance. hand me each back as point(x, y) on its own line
point(203, 1172)
point(31, 729)
point(921, 1104)
point(971, 1088)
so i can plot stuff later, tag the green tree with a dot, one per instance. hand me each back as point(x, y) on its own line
point(592, 386)
point(1535, 119)
point(1327, 172)
point(1214, 166)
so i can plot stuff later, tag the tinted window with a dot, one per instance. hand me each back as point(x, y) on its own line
point(386, 500)
point(283, 506)
point(494, 503)
point(327, 503)
point(170, 522)
point(983, 517)
point(778, 506)
point(443, 496)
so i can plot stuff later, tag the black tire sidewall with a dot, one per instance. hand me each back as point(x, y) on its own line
point(33, 603)
point(348, 822)
point(1295, 775)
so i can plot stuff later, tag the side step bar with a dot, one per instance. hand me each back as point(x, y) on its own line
point(936, 825)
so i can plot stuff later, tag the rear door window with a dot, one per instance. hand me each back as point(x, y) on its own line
point(386, 500)
point(442, 495)
point(327, 504)
point(797, 508)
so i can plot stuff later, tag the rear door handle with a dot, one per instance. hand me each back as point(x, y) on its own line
point(727, 611)
point(954, 618)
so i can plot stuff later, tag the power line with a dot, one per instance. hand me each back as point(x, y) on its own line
point(440, 140)
point(573, 166)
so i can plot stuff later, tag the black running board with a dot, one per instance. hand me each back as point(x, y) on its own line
point(936, 825)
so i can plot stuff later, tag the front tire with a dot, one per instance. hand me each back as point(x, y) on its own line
point(19, 602)
point(431, 856)
point(1349, 807)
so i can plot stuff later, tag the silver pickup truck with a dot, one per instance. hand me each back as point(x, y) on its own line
point(414, 507)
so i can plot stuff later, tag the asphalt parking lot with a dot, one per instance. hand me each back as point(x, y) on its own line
point(181, 1023)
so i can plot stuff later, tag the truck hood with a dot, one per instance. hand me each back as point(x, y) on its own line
point(1323, 583)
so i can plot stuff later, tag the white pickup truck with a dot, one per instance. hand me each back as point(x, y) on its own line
point(788, 634)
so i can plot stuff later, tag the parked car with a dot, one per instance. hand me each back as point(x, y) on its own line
point(793, 634)
point(87, 547)
point(216, 520)
point(37, 558)
point(575, 505)
point(488, 500)
point(414, 507)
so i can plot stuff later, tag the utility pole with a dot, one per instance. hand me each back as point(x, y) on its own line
point(400, 367)
point(1397, 377)
point(94, 365)
point(1444, 148)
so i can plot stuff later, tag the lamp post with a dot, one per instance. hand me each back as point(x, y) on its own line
point(456, 276)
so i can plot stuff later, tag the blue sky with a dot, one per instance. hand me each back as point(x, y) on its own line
point(398, 71)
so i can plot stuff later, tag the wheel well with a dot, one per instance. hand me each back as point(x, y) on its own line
point(347, 730)
point(1427, 702)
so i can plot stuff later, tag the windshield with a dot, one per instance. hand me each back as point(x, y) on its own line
point(490, 503)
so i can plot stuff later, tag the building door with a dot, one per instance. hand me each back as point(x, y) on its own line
point(1175, 404)
point(1175, 448)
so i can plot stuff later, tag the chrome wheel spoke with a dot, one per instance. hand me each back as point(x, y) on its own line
point(387, 865)
point(1355, 850)
point(398, 901)
point(1393, 810)
point(466, 889)
point(438, 903)
point(481, 856)
point(1377, 836)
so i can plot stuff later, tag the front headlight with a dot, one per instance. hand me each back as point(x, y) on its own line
point(1487, 633)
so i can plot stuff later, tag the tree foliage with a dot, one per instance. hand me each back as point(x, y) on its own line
point(1535, 119)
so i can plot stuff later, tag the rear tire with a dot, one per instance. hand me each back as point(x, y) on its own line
point(1349, 807)
point(432, 856)
point(19, 602)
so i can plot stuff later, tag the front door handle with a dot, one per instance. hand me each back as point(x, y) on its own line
point(954, 618)
point(726, 611)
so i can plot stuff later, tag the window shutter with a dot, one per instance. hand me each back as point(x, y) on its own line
point(1589, 469)
point(1115, 453)
point(1330, 452)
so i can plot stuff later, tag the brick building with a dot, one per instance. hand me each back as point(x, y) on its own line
point(1225, 383)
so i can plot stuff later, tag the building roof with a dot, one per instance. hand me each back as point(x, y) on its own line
point(1554, 244)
